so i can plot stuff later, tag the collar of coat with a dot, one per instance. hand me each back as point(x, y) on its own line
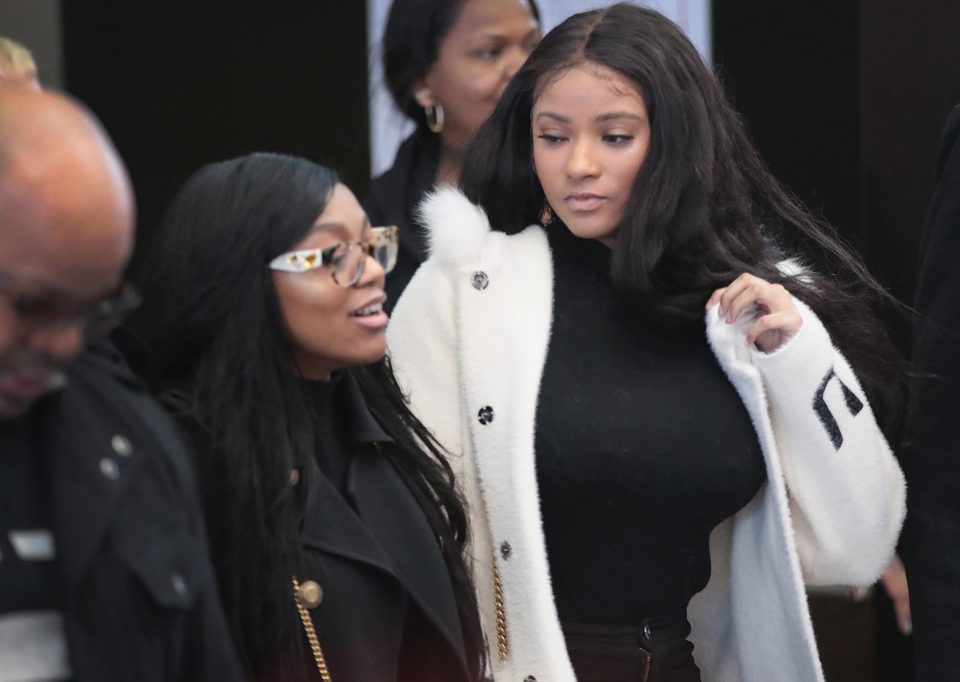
point(447, 207)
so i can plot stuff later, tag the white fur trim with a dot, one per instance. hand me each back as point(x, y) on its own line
point(456, 228)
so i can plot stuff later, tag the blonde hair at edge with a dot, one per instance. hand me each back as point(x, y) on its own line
point(16, 62)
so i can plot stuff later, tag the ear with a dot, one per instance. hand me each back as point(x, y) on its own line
point(423, 95)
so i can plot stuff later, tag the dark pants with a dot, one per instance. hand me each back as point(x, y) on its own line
point(656, 650)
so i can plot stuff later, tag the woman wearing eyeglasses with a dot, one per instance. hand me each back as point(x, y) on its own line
point(336, 531)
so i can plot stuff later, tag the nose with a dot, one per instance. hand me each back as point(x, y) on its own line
point(581, 161)
point(515, 58)
point(373, 274)
point(58, 341)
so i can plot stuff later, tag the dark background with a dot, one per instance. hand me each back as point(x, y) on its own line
point(179, 85)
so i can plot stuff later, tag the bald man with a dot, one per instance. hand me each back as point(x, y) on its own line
point(104, 568)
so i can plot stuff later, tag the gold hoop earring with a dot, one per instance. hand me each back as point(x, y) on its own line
point(434, 116)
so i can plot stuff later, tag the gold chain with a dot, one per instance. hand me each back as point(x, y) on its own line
point(502, 644)
point(311, 633)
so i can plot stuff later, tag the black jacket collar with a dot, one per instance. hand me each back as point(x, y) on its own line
point(363, 428)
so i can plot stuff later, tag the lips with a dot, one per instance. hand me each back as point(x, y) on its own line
point(373, 307)
point(371, 315)
point(584, 201)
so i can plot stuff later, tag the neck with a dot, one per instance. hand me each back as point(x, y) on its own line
point(449, 163)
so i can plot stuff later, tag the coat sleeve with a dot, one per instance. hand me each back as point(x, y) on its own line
point(422, 341)
point(846, 491)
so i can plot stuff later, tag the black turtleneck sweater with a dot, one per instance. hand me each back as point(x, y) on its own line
point(331, 422)
point(643, 446)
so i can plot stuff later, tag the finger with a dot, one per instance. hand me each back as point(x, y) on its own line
point(786, 323)
point(715, 298)
point(747, 298)
point(734, 289)
point(901, 608)
point(775, 297)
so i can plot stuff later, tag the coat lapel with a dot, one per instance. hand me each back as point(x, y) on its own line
point(330, 525)
point(394, 517)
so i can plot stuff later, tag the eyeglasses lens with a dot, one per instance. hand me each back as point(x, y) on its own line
point(347, 264)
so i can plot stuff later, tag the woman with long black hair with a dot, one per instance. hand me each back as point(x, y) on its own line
point(661, 443)
point(336, 532)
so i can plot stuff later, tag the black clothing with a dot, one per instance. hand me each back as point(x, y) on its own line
point(27, 583)
point(643, 447)
point(655, 650)
point(30, 600)
point(393, 200)
point(332, 423)
point(133, 574)
point(388, 612)
point(931, 541)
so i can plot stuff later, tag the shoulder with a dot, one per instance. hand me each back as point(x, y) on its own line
point(102, 364)
point(456, 228)
point(459, 232)
point(102, 390)
point(395, 191)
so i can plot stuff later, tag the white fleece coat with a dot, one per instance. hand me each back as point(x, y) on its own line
point(470, 334)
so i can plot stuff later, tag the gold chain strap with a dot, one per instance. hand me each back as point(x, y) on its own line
point(502, 644)
point(311, 634)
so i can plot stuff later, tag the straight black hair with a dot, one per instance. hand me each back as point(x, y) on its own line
point(704, 207)
point(219, 354)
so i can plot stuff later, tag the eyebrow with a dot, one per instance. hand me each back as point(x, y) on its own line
point(503, 35)
point(34, 287)
point(340, 227)
point(601, 118)
point(552, 116)
point(614, 115)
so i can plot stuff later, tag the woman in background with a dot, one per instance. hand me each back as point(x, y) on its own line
point(661, 443)
point(335, 529)
point(446, 62)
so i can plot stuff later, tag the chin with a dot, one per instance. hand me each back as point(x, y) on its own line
point(600, 233)
point(361, 359)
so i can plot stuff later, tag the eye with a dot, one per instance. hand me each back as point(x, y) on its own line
point(617, 139)
point(488, 53)
point(30, 305)
point(551, 139)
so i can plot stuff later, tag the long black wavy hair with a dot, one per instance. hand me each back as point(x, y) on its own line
point(219, 354)
point(412, 37)
point(704, 207)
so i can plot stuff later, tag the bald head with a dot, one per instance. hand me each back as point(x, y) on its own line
point(66, 223)
point(61, 180)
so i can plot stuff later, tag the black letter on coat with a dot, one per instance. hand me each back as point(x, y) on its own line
point(854, 404)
